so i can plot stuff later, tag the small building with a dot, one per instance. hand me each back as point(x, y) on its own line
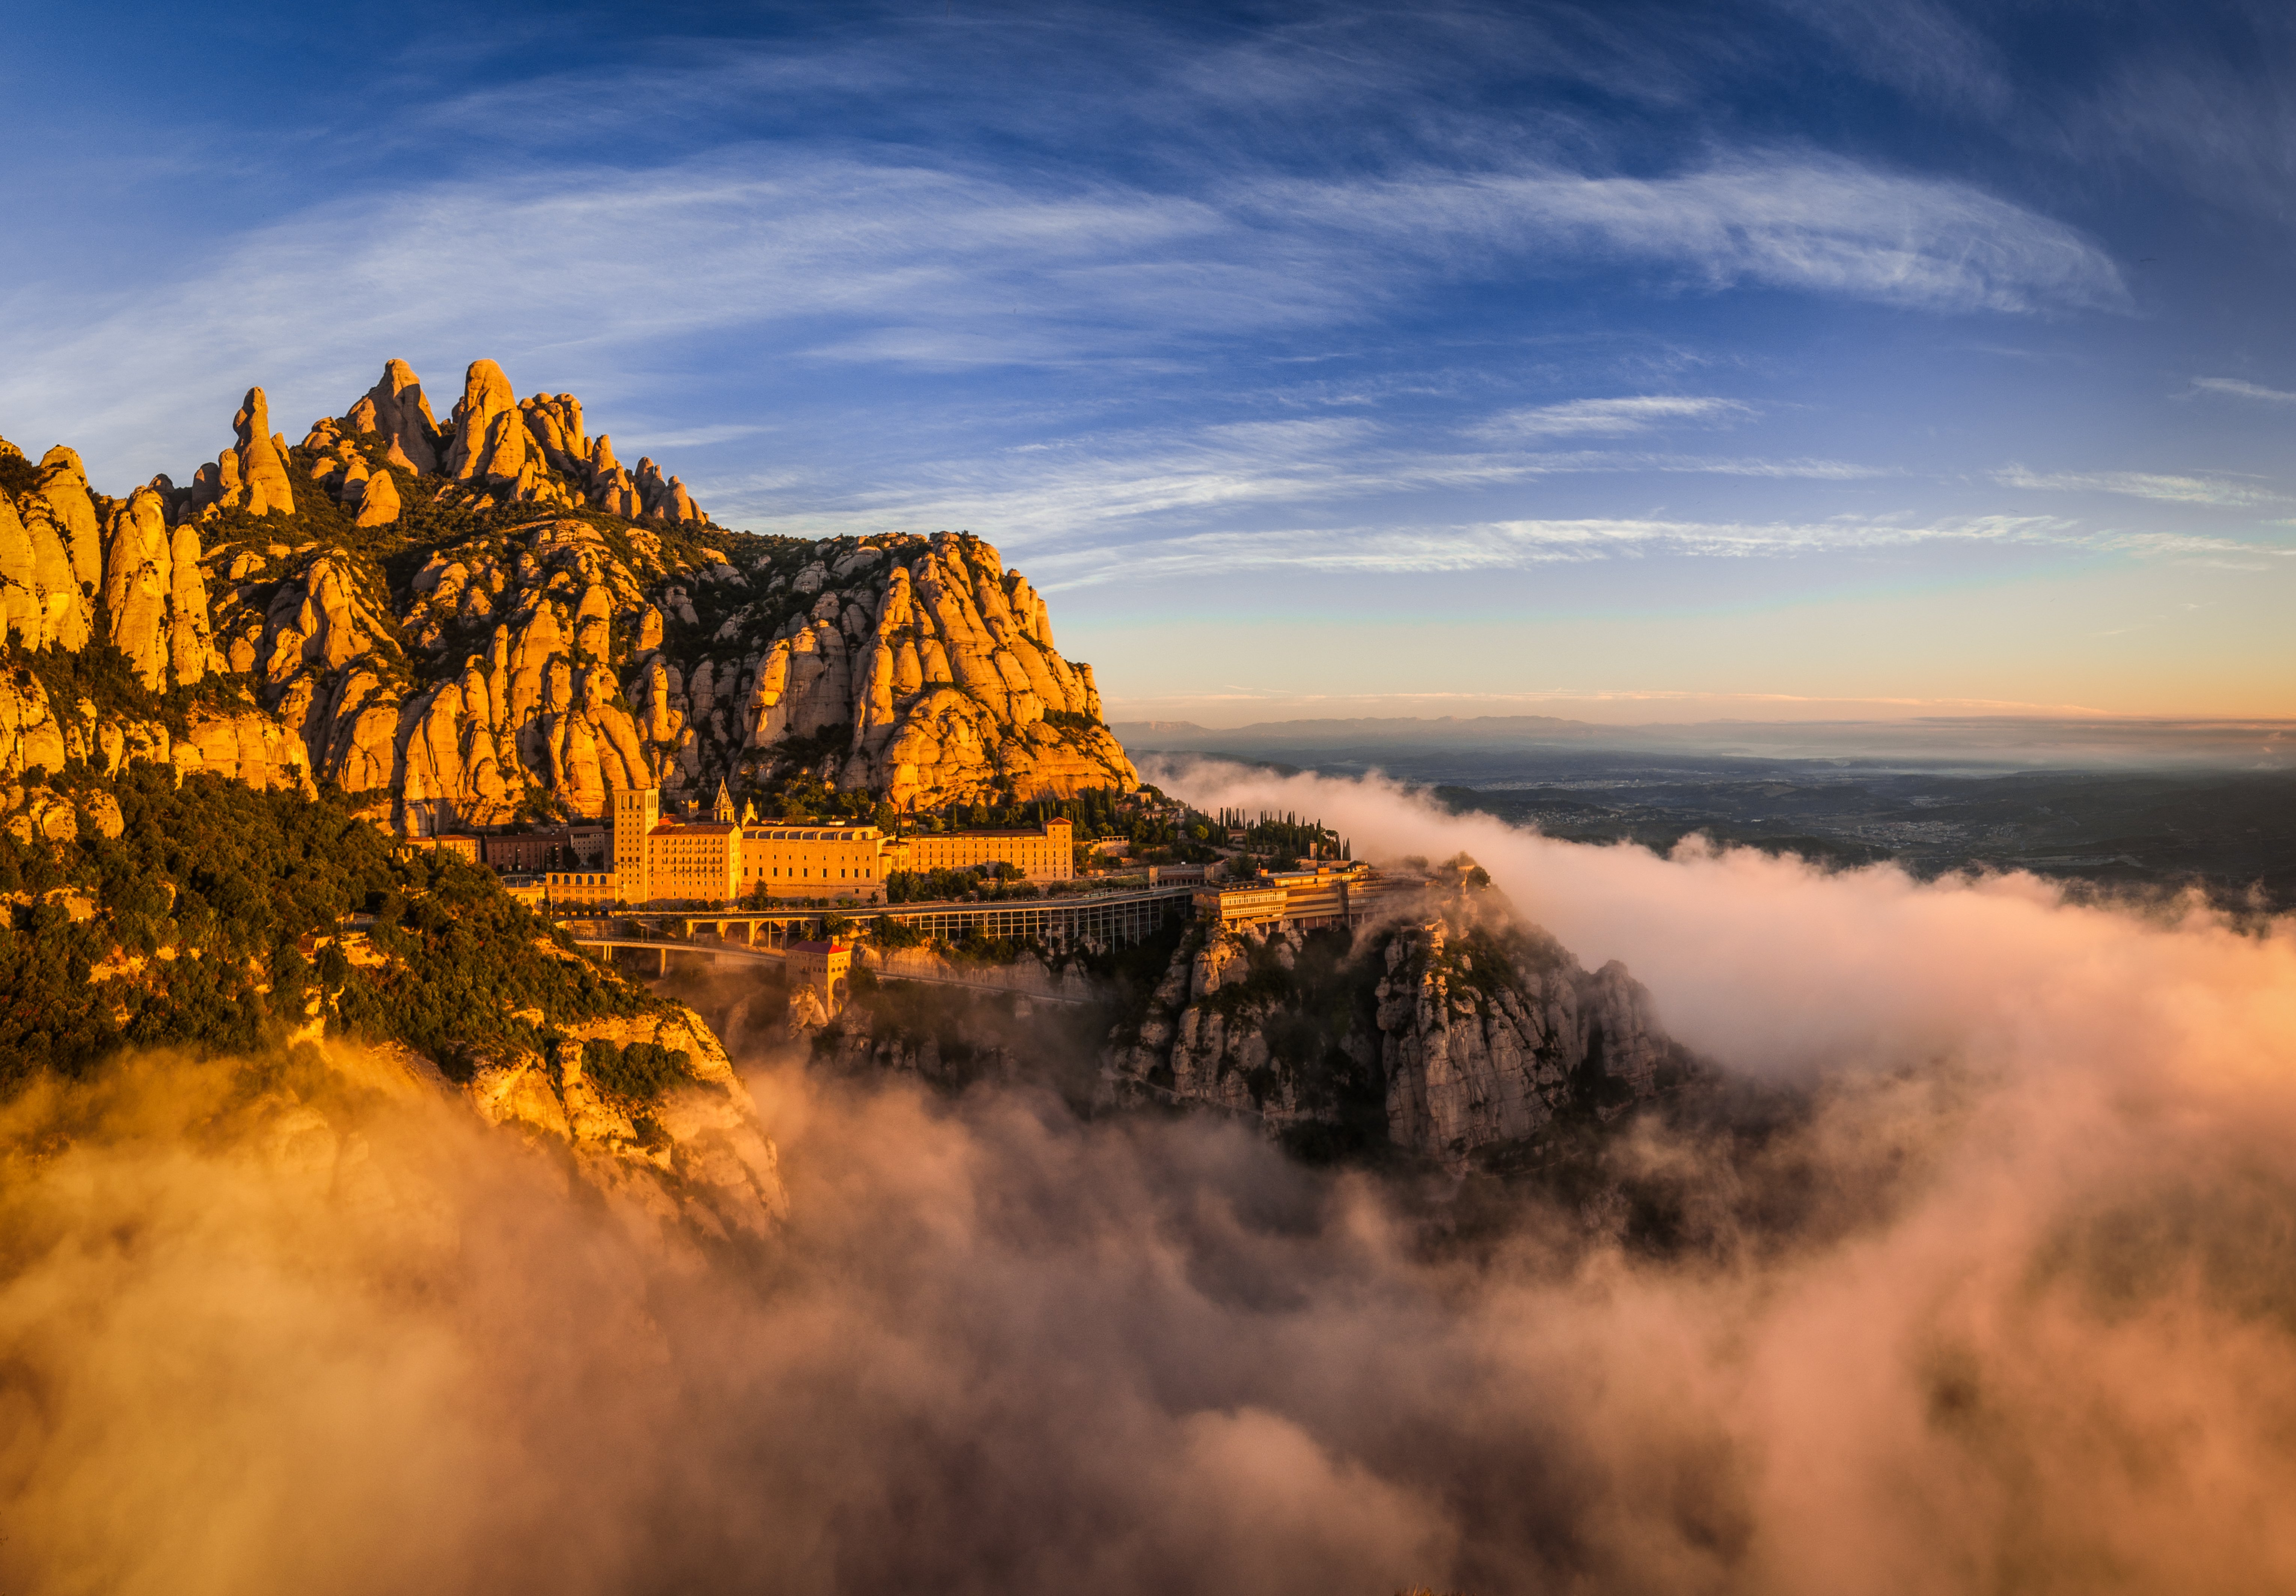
point(579, 888)
point(825, 967)
point(1174, 875)
point(543, 848)
point(1328, 895)
point(1242, 908)
point(462, 845)
point(527, 889)
point(1321, 895)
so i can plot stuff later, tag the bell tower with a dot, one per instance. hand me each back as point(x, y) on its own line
point(637, 810)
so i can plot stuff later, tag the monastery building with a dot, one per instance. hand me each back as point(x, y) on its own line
point(655, 862)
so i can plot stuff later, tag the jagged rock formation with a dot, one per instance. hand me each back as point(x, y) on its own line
point(396, 410)
point(62, 487)
point(251, 475)
point(1451, 1034)
point(495, 616)
point(39, 592)
point(156, 594)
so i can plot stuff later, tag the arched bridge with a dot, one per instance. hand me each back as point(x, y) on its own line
point(721, 951)
point(988, 980)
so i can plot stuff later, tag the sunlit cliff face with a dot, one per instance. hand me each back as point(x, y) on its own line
point(2012, 1307)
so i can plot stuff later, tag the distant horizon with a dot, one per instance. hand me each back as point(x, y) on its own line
point(2000, 741)
point(1732, 720)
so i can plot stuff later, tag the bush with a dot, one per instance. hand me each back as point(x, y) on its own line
point(640, 1071)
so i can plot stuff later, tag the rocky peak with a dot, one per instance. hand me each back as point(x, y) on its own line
point(497, 617)
point(62, 487)
point(489, 432)
point(395, 410)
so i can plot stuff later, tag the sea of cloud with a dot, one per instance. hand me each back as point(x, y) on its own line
point(2009, 1304)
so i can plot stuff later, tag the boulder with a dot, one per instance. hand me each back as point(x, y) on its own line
point(25, 606)
point(188, 639)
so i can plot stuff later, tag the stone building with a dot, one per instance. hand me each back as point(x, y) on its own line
point(654, 862)
point(825, 967)
point(816, 859)
point(545, 848)
point(1045, 853)
point(1325, 895)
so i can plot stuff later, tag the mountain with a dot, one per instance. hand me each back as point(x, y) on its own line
point(493, 618)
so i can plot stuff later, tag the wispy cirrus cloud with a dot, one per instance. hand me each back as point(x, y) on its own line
point(1612, 417)
point(2229, 493)
point(2224, 553)
point(1119, 489)
point(1514, 544)
point(2238, 389)
point(1806, 223)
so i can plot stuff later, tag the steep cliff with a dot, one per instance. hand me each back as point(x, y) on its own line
point(492, 618)
point(1453, 1034)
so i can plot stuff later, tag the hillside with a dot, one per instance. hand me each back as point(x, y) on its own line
point(284, 938)
point(492, 616)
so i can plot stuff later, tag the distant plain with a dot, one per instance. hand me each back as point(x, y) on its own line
point(2149, 805)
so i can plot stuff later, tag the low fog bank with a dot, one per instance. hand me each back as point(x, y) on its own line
point(2029, 1318)
point(1772, 966)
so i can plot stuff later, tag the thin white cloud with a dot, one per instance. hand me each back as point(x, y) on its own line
point(1612, 418)
point(1806, 223)
point(1124, 487)
point(2224, 492)
point(1515, 545)
point(2227, 553)
point(2240, 389)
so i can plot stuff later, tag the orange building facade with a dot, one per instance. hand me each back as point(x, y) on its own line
point(1046, 853)
point(657, 863)
point(782, 860)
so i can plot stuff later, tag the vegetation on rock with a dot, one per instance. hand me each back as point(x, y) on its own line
point(213, 917)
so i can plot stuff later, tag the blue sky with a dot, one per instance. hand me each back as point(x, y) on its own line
point(1630, 361)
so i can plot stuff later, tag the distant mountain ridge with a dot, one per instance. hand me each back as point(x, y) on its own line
point(1150, 734)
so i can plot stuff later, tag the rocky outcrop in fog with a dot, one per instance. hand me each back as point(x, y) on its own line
point(1454, 1035)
